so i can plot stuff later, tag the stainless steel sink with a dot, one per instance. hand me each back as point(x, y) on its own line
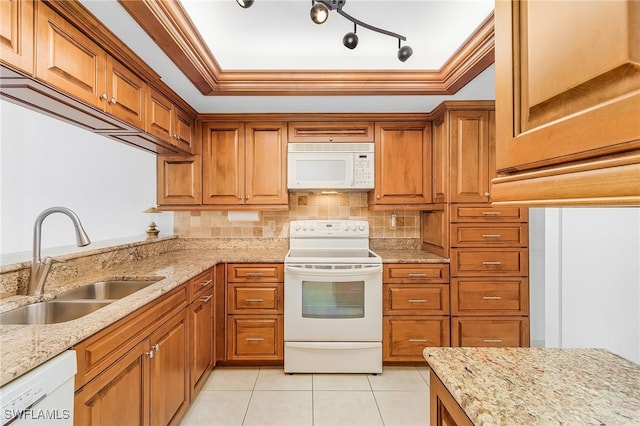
point(51, 312)
point(106, 290)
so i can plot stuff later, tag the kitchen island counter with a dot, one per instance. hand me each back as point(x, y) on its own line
point(537, 386)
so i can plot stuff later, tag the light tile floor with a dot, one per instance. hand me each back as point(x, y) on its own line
point(269, 397)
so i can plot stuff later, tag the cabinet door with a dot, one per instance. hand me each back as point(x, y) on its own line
point(184, 134)
point(16, 34)
point(119, 395)
point(255, 337)
point(202, 339)
point(223, 163)
point(266, 164)
point(488, 331)
point(403, 164)
point(440, 160)
point(331, 131)
point(469, 174)
point(160, 116)
point(179, 180)
point(69, 60)
point(126, 94)
point(169, 376)
point(567, 102)
point(405, 337)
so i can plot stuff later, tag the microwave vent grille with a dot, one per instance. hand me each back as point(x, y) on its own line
point(331, 147)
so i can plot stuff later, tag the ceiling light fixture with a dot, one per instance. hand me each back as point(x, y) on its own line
point(245, 4)
point(320, 13)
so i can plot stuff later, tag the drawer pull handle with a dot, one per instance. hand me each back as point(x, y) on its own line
point(492, 340)
point(254, 300)
point(488, 262)
point(254, 339)
point(255, 274)
point(419, 340)
point(491, 213)
point(206, 283)
point(491, 298)
point(491, 235)
point(206, 299)
point(417, 300)
point(417, 275)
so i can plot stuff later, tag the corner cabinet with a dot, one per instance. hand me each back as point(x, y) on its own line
point(567, 103)
point(403, 166)
point(244, 164)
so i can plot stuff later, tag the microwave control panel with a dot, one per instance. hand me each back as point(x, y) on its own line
point(363, 170)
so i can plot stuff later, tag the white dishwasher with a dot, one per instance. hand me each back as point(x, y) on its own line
point(42, 396)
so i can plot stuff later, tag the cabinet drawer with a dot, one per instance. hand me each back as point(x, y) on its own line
point(485, 331)
point(416, 272)
point(489, 262)
point(500, 296)
point(404, 337)
point(411, 299)
point(486, 213)
point(255, 337)
point(255, 298)
point(264, 273)
point(486, 235)
point(201, 283)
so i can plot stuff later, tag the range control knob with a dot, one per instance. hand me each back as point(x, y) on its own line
point(361, 227)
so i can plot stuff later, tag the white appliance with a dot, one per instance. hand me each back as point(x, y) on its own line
point(330, 166)
point(42, 396)
point(332, 299)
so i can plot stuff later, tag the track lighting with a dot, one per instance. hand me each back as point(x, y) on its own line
point(320, 13)
point(245, 4)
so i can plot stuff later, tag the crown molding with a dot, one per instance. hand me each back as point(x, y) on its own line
point(168, 24)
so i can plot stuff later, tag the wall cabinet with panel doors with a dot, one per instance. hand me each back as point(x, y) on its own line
point(403, 166)
point(244, 165)
point(330, 131)
point(179, 180)
point(168, 122)
point(567, 103)
point(255, 307)
point(415, 310)
point(136, 370)
point(202, 329)
point(17, 34)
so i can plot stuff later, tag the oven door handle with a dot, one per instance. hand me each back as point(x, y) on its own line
point(301, 270)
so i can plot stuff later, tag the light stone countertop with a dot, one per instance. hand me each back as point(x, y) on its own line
point(540, 386)
point(409, 256)
point(23, 347)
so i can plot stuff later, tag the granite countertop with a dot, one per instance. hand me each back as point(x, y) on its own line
point(409, 256)
point(23, 347)
point(540, 386)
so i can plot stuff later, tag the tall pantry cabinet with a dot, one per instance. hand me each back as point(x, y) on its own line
point(487, 245)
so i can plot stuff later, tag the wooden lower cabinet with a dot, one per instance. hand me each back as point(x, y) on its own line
point(444, 410)
point(202, 339)
point(255, 338)
point(490, 331)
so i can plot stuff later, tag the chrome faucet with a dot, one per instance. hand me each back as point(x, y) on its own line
point(40, 267)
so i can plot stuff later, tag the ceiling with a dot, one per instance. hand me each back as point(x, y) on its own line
point(277, 38)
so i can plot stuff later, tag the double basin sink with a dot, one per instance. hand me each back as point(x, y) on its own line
point(75, 303)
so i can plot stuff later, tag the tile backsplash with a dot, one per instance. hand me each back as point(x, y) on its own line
point(302, 206)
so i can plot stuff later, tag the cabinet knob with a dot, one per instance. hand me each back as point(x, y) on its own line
point(246, 197)
point(149, 354)
point(104, 96)
point(330, 138)
point(486, 194)
point(378, 197)
point(112, 101)
point(155, 348)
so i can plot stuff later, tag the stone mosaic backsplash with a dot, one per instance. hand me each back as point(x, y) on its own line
point(302, 206)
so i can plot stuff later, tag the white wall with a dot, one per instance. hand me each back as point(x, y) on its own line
point(592, 279)
point(45, 162)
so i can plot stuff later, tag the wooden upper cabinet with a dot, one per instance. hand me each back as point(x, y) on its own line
point(184, 132)
point(567, 102)
point(331, 131)
point(266, 164)
point(126, 94)
point(244, 164)
point(168, 122)
point(17, 34)
point(179, 180)
point(403, 165)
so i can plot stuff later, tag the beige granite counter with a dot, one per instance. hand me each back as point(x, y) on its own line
point(409, 256)
point(538, 386)
point(23, 347)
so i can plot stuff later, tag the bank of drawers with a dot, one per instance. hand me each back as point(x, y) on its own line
point(255, 307)
point(489, 276)
point(415, 310)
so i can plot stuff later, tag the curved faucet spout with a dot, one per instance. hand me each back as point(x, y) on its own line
point(40, 268)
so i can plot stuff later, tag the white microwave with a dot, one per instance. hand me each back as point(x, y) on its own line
point(330, 166)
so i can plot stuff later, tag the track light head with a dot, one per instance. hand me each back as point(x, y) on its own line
point(350, 40)
point(245, 4)
point(319, 13)
point(404, 53)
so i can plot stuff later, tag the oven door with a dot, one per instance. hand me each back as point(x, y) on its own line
point(333, 303)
